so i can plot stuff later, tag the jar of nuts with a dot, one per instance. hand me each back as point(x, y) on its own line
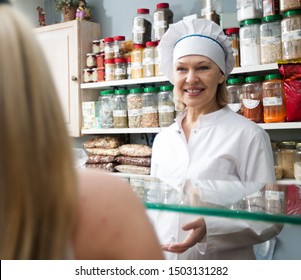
point(134, 105)
point(150, 116)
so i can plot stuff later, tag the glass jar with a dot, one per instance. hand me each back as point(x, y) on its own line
point(287, 149)
point(120, 108)
point(286, 5)
point(166, 106)
point(91, 60)
point(270, 39)
point(88, 75)
point(234, 87)
point(157, 62)
point(297, 162)
point(120, 68)
point(96, 46)
point(100, 60)
point(129, 68)
point(252, 99)
point(162, 18)
point(270, 7)
point(106, 109)
point(150, 116)
point(134, 105)
point(233, 35)
point(119, 46)
point(291, 35)
point(249, 34)
point(94, 76)
point(136, 61)
point(100, 74)
point(249, 9)
point(148, 59)
point(142, 27)
point(273, 99)
point(109, 47)
point(109, 69)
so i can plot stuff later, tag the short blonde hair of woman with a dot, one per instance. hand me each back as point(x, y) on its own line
point(37, 177)
point(222, 97)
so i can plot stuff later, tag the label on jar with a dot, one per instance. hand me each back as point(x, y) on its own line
point(235, 107)
point(120, 71)
point(272, 101)
point(166, 109)
point(119, 113)
point(135, 112)
point(274, 195)
point(250, 103)
point(290, 36)
point(149, 110)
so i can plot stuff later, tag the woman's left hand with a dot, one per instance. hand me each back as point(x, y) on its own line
point(198, 232)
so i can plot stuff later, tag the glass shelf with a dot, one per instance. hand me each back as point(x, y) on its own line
point(277, 202)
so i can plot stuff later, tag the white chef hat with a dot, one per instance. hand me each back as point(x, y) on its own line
point(195, 37)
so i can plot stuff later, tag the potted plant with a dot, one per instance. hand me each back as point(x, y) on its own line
point(68, 8)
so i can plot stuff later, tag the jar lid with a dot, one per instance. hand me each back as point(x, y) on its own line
point(108, 40)
point(119, 38)
point(151, 89)
point(110, 61)
point(142, 11)
point(106, 92)
point(151, 44)
point(121, 91)
point(136, 90)
point(272, 18)
point(287, 144)
point(275, 76)
point(166, 88)
point(92, 54)
point(292, 13)
point(139, 46)
point(252, 79)
point(250, 22)
point(234, 81)
point(162, 6)
point(96, 41)
point(120, 60)
point(233, 30)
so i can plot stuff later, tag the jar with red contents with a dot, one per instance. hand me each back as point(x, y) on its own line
point(273, 98)
point(233, 35)
point(252, 98)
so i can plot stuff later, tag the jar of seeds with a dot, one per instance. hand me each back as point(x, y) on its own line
point(134, 106)
point(150, 116)
point(166, 106)
point(120, 108)
point(106, 109)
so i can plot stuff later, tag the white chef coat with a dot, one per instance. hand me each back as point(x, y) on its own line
point(225, 146)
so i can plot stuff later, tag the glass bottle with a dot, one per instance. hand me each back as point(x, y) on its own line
point(120, 68)
point(119, 46)
point(297, 162)
point(106, 109)
point(234, 87)
point(150, 116)
point(120, 108)
point(287, 149)
point(134, 106)
point(273, 98)
point(249, 34)
point(109, 47)
point(270, 39)
point(136, 61)
point(291, 35)
point(166, 106)
point(162, 18)
point(142, 27)
point(148, 59)
point(252, 98)
point(233, 35)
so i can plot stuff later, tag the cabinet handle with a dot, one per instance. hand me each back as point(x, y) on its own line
point(73, 78)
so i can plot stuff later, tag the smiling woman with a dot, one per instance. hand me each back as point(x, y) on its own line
point(207, 141)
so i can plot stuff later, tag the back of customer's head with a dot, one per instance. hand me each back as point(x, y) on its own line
point(37, 187)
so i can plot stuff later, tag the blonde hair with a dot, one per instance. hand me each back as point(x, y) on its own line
point(37, 177)
point(222, 98)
